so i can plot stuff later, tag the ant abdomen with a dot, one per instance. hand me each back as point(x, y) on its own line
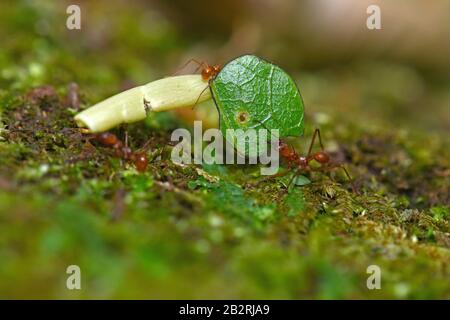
point(321, 157)
point(107, 139)
point(140, 161)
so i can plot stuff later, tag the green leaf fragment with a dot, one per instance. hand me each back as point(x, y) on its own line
point(252, 93)
point(301, 180)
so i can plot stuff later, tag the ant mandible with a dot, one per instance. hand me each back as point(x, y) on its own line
point(302, 163)
point(121, 150)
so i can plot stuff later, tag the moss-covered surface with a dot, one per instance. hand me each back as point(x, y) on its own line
point(210, 232)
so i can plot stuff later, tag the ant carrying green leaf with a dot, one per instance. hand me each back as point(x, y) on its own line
point(301, 164)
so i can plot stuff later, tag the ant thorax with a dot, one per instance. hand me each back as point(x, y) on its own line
point(302, 162)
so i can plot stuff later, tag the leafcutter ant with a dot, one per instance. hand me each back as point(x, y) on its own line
point(208, 72)
point(122, 151)
point(301, 164)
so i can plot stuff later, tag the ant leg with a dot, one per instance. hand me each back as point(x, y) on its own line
point(145, 146)
point(316, 133)
point(349, 178)
point(161, 152)
point(293, 150)
point(126, 138)
point(196, 101)
point(199, 65)
point(123, 150)
point(337, 166)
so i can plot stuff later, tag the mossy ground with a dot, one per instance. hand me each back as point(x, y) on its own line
point(209, 232)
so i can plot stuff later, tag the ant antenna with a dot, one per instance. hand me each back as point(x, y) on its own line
point(199, 65)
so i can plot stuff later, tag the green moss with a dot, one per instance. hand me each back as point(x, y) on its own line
point(181, 232)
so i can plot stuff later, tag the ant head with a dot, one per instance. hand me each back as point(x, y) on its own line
point(211, 71)
point(284, 149)
point(321, 157)
point(281, 144)
point(207, 72)
point(106, 138)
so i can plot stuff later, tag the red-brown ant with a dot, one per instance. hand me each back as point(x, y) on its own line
point(121, 150)
point(302, 163)
point(209, 73)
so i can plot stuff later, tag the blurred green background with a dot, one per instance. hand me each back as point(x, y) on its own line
point(381, 98)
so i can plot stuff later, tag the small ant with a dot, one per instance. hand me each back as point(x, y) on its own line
point(121, 150)
point(209, 73)
point(302, 163)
